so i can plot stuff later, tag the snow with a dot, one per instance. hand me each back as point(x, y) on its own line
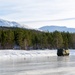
point(24, 54)
point(12, 24)
point(28, 54)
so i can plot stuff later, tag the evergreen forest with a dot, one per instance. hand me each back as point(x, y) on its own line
point(27, 39)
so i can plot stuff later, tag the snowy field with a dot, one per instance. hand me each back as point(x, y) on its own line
point(36, 62)
point(23, 54)
point(30, 55)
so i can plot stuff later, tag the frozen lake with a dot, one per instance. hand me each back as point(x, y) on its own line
point(36, 63)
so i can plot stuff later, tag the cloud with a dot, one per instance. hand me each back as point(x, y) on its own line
point(38, 11)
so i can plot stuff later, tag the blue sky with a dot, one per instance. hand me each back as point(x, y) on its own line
point(38, 13)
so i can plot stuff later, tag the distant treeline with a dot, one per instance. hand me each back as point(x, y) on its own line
point(33, 39)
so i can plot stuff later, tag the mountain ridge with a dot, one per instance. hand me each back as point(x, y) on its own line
point(5, 23)
point(53, 28)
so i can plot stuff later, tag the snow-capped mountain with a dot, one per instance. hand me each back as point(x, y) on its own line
point(58, 28)
point(5, 23)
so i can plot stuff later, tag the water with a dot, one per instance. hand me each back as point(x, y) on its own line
point(50, 65)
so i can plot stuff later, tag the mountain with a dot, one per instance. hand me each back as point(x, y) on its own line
point(58, 28)
point(5, 23)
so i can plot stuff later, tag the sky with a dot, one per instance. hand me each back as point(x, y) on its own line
point(38, 13)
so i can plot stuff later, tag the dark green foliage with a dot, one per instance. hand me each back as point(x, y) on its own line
point(57, 39)
point(32, 39)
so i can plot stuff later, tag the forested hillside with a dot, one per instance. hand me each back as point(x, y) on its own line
point(32, 39)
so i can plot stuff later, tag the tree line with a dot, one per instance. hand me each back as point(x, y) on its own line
point(33, 39)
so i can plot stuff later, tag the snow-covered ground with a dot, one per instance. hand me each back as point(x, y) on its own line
point(36, 62)
point(24, 54)
point(28, 55)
